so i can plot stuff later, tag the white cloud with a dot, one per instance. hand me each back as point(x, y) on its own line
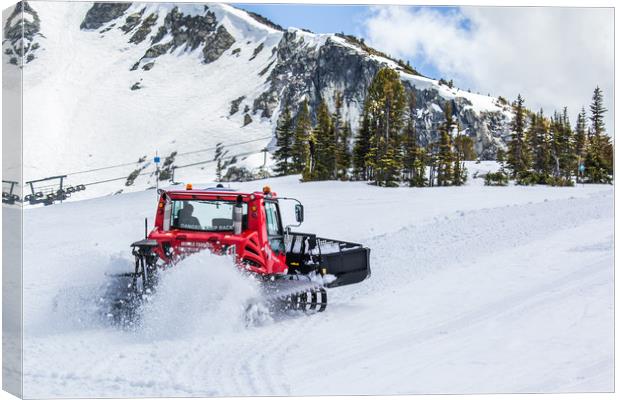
point(553, 56)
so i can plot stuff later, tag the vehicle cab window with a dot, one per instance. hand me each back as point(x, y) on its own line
point(274, 226)
point(205, 215)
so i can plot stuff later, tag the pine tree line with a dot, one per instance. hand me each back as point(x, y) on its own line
point(550, 151)
point(387, 149)
point(319, 152)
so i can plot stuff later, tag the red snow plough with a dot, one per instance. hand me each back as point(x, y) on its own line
point(294, 269)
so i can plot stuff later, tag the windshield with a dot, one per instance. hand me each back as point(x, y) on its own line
point(274, 226)
point(205, 215)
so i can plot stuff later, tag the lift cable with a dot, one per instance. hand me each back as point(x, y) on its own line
point(178, 154)
point(173, 167)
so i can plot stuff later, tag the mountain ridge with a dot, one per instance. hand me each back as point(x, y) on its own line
point(191, 75)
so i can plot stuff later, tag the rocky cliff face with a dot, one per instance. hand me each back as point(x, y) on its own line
point(490, 129)
point(288, 65)
point(178, 30)
point(316, 71)
point(102, 13)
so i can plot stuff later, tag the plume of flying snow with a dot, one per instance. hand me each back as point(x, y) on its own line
point(205, 293)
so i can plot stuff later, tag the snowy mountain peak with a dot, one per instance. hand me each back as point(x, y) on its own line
point(174, 78)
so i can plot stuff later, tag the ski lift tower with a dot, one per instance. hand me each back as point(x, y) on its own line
point(50, 190)
point(156, 160)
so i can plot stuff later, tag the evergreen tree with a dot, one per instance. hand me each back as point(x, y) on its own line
point(301, 146)
point(534, 142)
point(556, 140)
point(411, 149)
point(219, 168)
point(607, 154)
point(308, 173)
point(598, 168)
point(580, 135)
point(219, 151)
point(418, 178)
point(566, 146)
point(501, 159)
point(538, 139)
point(501, 156)
point(343, 153)
point(362, 147)
point(445, 156)
point(342, 133)
point(389, 167)
point(382, 122)
point(517, 151)
point(597, 112)
point(431, 162)
point(460, 173)
point(325, 157)
point(284, 141)
point(465, 146)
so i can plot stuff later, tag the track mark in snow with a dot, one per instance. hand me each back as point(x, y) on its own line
point(517, 302)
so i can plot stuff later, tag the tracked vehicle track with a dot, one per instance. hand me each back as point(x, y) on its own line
point(295, 292)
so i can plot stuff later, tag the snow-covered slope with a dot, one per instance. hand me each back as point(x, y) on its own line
point(82, 114)
point(106, 85)
point(473, 290)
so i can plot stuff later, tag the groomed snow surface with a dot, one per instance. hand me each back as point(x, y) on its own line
point(473, 290)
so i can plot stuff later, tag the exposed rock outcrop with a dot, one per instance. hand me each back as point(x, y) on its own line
point(132, 21)
point(257, 50)
point(102, 13)
point(217, 44)
point(22, 34)
point(144, 30)
point(186, 31)
point(239, 174)
point(234, 105)
point(247, 120)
